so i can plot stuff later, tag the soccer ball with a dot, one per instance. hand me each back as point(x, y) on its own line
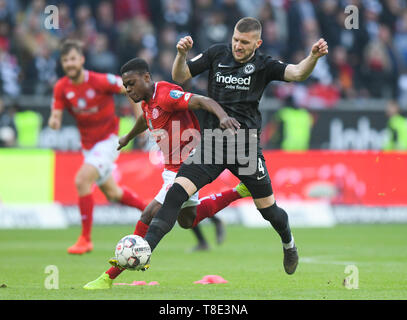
point(133, 252)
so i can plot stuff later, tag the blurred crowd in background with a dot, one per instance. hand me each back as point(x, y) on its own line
point(368, 62)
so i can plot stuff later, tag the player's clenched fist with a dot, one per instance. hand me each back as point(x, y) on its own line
point(320, 48)
point(184, 45)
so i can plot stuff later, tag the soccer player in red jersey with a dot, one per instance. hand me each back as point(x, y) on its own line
point(88, 97)
point(167, 113)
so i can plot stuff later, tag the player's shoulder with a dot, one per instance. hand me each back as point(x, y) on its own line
point(61, 84)
point(219, 49)
point(166, 87)
point(62, 81)
point(266, 58)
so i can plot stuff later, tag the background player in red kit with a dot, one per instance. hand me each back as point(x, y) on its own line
point(165, 106)
point(88, 97)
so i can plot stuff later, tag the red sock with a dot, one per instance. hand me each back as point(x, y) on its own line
point(141, 229)
point(129, 199)
point(114, 272)
point(213, 204)
point(86, 209)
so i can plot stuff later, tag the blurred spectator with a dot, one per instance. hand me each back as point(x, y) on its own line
point(8, 10)
point(8, 132)
point(9, 73)
point(136, 35)
point(177, 12)
point(272, 44)
point(342, 71)
point(380, 66)
point(391, 11)
point(65, 22)
point(290, 129)
point(232, 12)
point(330, 29)
point(168, 37)
point(128, 9)
point(85, 26)
point(163, 70)
point(106, 25)
point(100, 58)
point(396, 127)
point(31, 33)
point(216, 31)
point(41, 73)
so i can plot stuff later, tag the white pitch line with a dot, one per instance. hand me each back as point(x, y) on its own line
point(319, 261)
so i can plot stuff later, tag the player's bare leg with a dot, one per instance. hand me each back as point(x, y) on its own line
point(279, 220)
point(84, 180)
point(120, 194)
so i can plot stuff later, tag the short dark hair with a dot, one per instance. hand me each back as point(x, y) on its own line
point(136, 64)
point(69, 44)
point(248, 24)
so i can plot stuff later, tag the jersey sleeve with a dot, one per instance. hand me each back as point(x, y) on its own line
point(176, 99)
point(110, 83)
point(58, 100)
point(275, 70)
point(202, 61)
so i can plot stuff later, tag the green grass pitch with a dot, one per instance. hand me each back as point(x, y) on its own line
point(250, 260)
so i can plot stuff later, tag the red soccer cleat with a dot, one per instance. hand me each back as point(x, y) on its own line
point(81, 246)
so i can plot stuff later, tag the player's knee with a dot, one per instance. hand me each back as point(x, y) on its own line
point(146, 216)
point(113, 194)
point(185, 222)
point(186, 217)
point(275, 215)
point(175, 197)
point(82, 183)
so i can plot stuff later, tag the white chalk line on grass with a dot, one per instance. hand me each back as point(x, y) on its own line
point(320, 260)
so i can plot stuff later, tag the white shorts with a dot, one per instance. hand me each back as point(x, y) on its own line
point(103, 156)
point(169, 177)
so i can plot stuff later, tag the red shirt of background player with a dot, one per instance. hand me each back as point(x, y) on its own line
point(91, 103)
point(168, 110)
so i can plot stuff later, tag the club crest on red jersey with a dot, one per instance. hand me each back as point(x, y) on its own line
point(176, 94)
point(155, 113)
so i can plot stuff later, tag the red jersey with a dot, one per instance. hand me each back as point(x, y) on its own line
point(91, 103)
point(168, 110)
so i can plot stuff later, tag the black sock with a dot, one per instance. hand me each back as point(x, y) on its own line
point(166, 217)
point(279, 220)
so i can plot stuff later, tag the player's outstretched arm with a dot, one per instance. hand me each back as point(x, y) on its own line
point(139, 127)
point(302, 70)
point(210, 105)
point(55, 119)
point(180, 69)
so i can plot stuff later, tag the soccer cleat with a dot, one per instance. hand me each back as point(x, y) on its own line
point(202, 246)
point(81, 246)
point(242, 190)
point(290, 260)
point(103, 282)
point(114, 263)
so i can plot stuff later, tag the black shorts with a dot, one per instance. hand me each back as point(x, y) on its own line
point(257, 179)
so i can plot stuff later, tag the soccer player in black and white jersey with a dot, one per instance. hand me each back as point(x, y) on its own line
point(238, 75)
